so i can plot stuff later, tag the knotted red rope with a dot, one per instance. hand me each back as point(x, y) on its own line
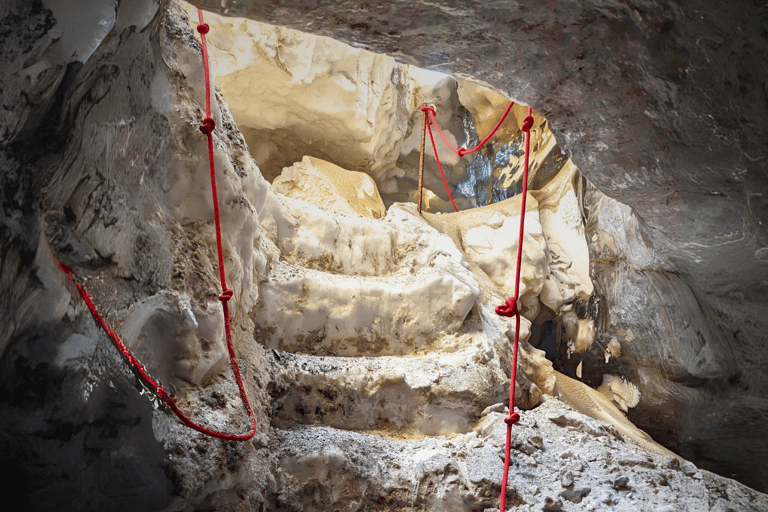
point(509, 309)
point(426, 109)
point(461, 151)
point(429, 120)
point(207, 128)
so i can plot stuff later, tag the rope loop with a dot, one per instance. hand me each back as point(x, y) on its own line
point(226, 295)
point(513, 418)
point(203, 28)
point(208, 125)
point(509, 308)
point(428, 108)
point(461, 152)
point(527, 123)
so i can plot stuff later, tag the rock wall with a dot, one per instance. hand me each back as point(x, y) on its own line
point(364, 397)
point(663, 107)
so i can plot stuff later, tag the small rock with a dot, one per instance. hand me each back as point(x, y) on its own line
point(526, 449)
point(551, 505)
point(567, 479)
point(500, 407)
point(671, 462)
point(688, 468)
point(536, 441)
point(621, 483)
point(576, 495)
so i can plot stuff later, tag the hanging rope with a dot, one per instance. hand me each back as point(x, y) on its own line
point(421, 158)
point(461, 151)
point(510, 309)
point(429, 120)
point(426, 109)
point(138, 369)
point(207, 127)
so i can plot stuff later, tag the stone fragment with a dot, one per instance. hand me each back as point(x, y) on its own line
point(672, 462)
point(621, 483)
point(551, 505)
point(567, 479)
point(499, 407)
point(688, 468)
point(576, 495)
point(622, 392)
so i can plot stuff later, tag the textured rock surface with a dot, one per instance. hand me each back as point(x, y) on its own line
point(325, 184)
point(664, 107)
point(103, 164)
point(559, 456)
point(294, 94)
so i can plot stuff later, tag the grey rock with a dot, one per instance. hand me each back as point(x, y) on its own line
point(621, 483)
point(688, 468)
point(671, 462)
point(551, 505)
point(576, 495)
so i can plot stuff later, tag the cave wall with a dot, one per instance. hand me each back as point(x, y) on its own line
point(66, 107)
point(663, 107)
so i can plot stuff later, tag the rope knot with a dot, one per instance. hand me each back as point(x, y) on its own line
point(513, 418)
point(427, 108)
point(461, 152)
point(527, 123)
point(226, 295)
point(203, 28)
point(509, 308)
point(208, 125)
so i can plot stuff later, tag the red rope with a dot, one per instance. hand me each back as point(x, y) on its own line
point(207, 128)
point(429, 120)
point(461, 151)
point(509, 309)
point(146, 380)
point(437, 158)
